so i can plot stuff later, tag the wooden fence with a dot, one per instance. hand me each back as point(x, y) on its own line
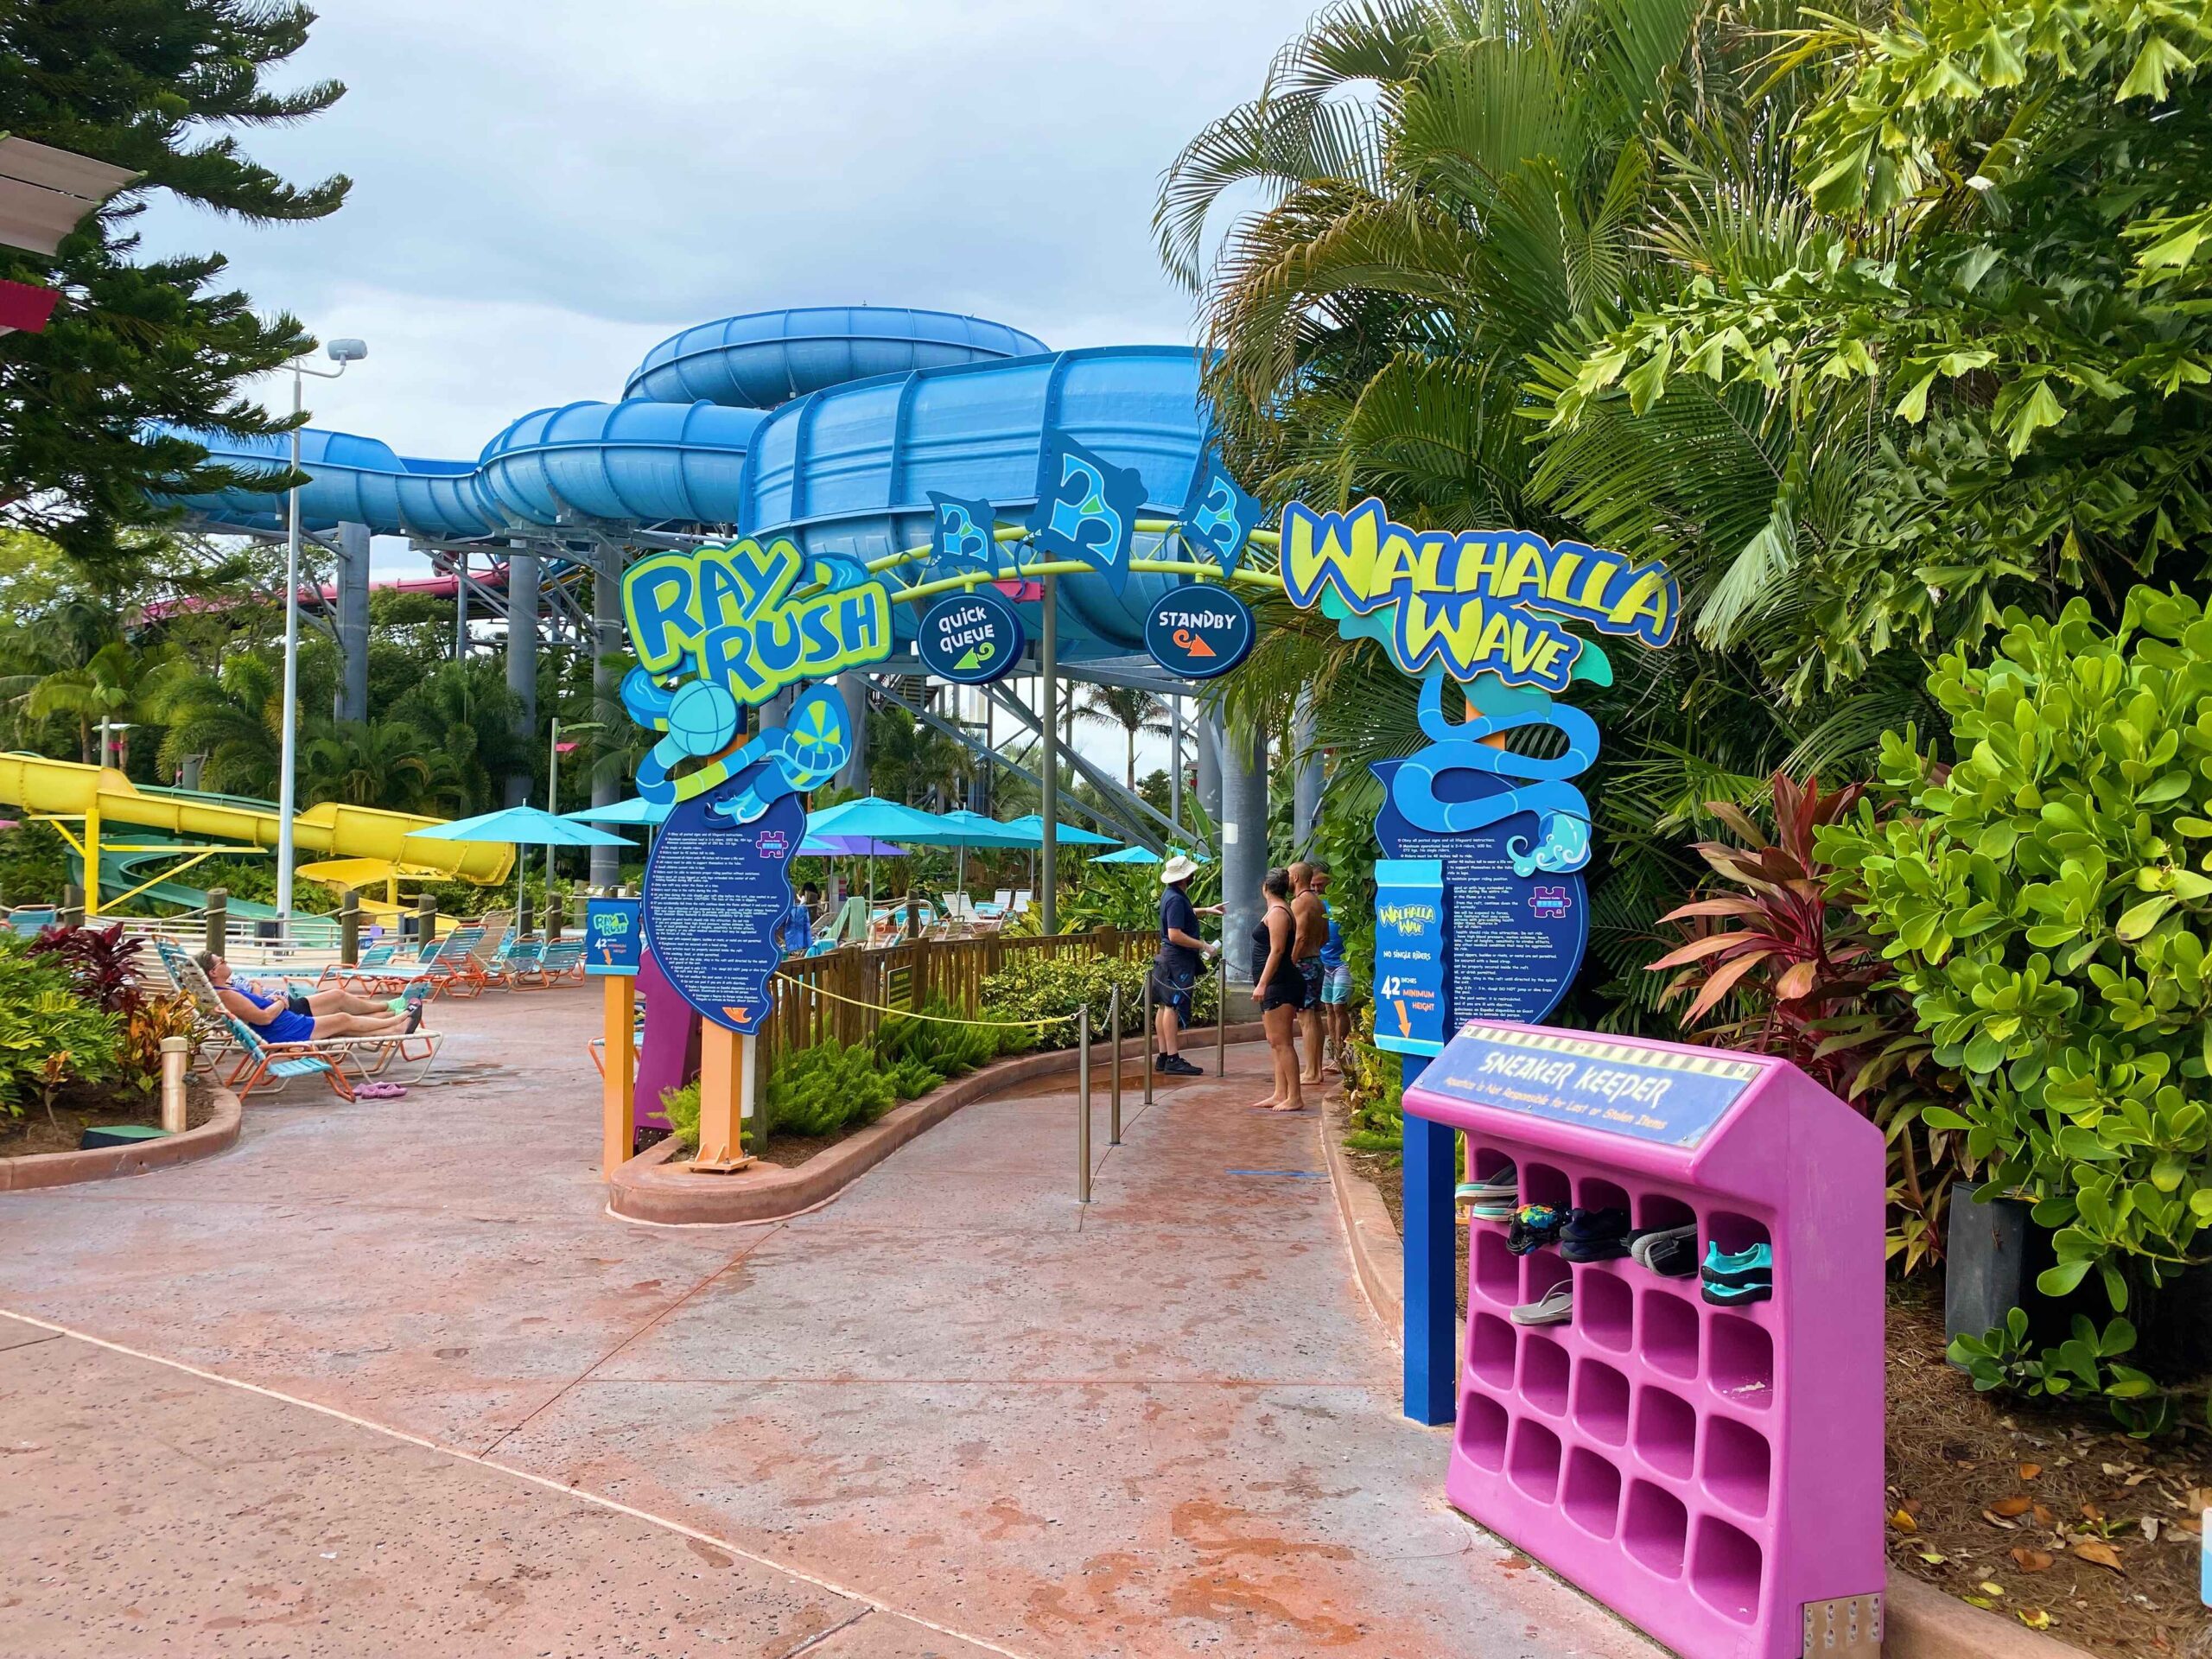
point(841, 994)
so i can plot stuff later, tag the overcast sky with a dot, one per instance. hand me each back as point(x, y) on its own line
point(545, 188)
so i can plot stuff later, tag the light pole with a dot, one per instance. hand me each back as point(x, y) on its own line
point(553, 783)
point(342, 352)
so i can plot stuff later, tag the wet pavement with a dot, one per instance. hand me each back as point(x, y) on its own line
point(952, 1412)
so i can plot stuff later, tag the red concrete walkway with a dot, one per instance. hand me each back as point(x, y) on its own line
point(951, 1412)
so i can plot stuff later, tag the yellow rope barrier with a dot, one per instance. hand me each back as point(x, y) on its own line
point(907, 1014)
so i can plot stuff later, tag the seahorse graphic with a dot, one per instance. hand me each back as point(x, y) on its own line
point(1563, 837)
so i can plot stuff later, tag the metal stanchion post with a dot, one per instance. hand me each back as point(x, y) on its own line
point(1082, 1106)
point(1221, 1016)
point(1114, 1088)
point(1150, 1037)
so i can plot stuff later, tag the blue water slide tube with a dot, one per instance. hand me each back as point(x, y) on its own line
point(767, 358)
point(848, 469)
point(351, 479)
point(631, 462)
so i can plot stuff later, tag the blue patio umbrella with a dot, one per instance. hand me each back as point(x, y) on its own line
point(1141, 856)
point(638, 811)
point(1067, 835)
point(520, 826)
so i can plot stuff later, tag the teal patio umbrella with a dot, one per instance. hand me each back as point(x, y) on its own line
point(1141, 856)
point(521, 826)
point(1067, 835)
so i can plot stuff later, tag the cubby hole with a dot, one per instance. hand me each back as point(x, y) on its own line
point(1533, 1464)
point(1488, 1160)
point(1660, 1211)
point(1601, 1402)
point(1737, 1465)
point(1666, 1431)
point(1743, 1360)
point(1482, 1431)
point(1593, 1496)
point(1540, 1270)
point(1542, 1183)
point(1603, 1310)
point(1725, 1570)
point(1655, 1529)
point(1735, 1234)
point(1497, 1270)
point(1602, 1195)
point(1669, 1338)
point(1543, 1375)
point(1490, 1350)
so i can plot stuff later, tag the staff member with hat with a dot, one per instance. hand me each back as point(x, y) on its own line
point(1175, 969)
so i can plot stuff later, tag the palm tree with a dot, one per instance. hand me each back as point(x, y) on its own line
point(114, 685)
point(232, 717)
point(384, 763)
point(1134, 711)
point(467, 715)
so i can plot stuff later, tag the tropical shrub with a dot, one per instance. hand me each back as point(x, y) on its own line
point(820, 1091)
point(139, 1046)
point(1784, 954)
point(2045, 903)
point(939, 1043)
point(48, 1034)
point(102, 964)
point(1032, 985)
point(2087, 1363)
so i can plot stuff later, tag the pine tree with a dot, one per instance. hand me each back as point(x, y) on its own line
point(152, 86)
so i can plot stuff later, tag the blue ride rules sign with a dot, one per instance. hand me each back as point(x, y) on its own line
point(1515, 941)
point(612, 931)
point(1594, 1083)
point(1411, 977)
point(971, 638)
point(717, 892)
point(1198, 631)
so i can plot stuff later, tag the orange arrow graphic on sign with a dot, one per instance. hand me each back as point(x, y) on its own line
point(1405, 1020)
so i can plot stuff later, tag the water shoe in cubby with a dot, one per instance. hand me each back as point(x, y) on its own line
point(1492, 1200)
point(1554, 1306)
point(1670, 1252)
point(1535, 1225)
point(1746, 1276)
point(1594, 1235)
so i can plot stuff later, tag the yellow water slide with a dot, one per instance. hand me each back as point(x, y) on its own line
point(207, 825)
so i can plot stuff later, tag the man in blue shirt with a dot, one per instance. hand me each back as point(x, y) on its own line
point(1175, 969)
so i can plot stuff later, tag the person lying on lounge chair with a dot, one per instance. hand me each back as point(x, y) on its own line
point(299, 1018)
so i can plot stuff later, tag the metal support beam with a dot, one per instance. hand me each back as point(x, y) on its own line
point(605, 690)
point(1243, 840)
point(1208, 733)
point(521, 659)
point(352, 701)
point(1306, 780)
point(1108, 786)
point(855, 687)
point(1048, 670)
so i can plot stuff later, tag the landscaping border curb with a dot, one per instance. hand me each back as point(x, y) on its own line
point(652, 1187)
point(44, 1169)
point(1919, 1621)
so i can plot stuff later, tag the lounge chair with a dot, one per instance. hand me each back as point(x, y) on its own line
point(439, 963)
point(363, 1057)
point(559, 960)
point(29, 921)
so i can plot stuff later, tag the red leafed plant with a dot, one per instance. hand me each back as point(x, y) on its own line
point(102, 964)
point(1809, 985)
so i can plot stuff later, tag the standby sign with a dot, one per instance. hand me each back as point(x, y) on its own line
point(971, 638)
point(1198, 631)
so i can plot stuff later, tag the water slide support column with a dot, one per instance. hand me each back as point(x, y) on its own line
point(855, 688)
point(1175, 760)
point(605, 690)
point(522, 657)
point(1048, 671)
point(1208, 734)
point(353, 622)
point(1306, 782)
point(1244, 844)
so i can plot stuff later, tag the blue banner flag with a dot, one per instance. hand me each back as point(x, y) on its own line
point(961, 538)
point(1219, 514)
point(1086, 508)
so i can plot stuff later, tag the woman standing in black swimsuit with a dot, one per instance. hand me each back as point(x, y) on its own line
point(1281, 988)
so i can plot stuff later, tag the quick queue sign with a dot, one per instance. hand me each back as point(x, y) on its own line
point(971, 638)
point(1198, 631)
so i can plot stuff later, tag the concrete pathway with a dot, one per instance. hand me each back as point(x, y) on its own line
point(951, 1412)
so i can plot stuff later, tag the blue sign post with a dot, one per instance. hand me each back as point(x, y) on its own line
point(613, 930)
point(716, 895)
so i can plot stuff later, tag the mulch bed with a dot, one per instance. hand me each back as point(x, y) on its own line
point(2041, 1513)
point(32, 1134)
point(785, 1151)
point(2053, 1518)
